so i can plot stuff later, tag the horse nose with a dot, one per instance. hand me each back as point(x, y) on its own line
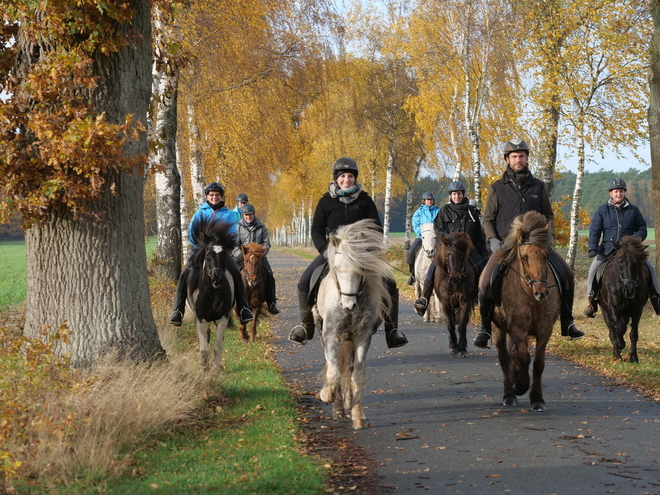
point(629, 289)
point(540, 291)
point(348, 303)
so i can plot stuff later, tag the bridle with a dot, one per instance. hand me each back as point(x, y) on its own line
point(356, 294)
point(525, 275)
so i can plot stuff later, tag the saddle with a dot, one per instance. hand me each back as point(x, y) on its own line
point(598, 278)
point(315, 282)
point(502, 268)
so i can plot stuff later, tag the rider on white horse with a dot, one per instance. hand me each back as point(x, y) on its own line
point(424, 214)
point(343, 204)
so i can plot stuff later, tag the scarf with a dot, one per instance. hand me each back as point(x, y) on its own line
point(520, 178)
point(346, 196)
point(462, 208)
point(623, 203)
point(221, 204)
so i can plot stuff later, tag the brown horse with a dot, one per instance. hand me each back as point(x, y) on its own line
point(624, 292)
point(254, 280)
point(530, 305)
point(456, 286)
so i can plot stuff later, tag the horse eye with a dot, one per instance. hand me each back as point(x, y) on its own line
point(524, 258)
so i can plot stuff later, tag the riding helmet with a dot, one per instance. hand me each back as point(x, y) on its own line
point(618, 184)
point(214, 186)
point(428, 195)
point(242, 198)
point(457, 185)
point(247, 208)
point(515, 145)
point(344, 165)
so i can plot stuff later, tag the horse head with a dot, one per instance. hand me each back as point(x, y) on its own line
point(630, 254)
point(215, 264)
point(349, 281)
point(253, 253)
point(428, 239)
point(454, 254)
point(534, 264)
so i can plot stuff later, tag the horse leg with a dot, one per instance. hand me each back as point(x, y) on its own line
point(464, 317)
point(332, 372)
point(357, 383)
point(253, 327)
point(499, 338)
point(520, 372)
point(634, 334)
point(342, 405)
point(451, 327)
point(244, 335)
point(204, 336)
point(218, 345)
point(617, 331)
point(536, 392)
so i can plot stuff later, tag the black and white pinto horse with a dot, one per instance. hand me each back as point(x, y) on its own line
point(210, 286)
point(352, 302)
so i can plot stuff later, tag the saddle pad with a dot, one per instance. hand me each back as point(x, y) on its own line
point(315, 281)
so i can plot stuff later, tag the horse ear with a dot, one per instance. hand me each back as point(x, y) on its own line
point(244, 249)
point(616, 245)
point(333, 240)
point(444, 240)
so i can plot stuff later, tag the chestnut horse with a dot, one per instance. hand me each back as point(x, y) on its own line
point(624, 292)
point(456, 286)
point(530, 305)
point(254, 279)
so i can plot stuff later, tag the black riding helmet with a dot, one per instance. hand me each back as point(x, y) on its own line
point(214, 186)
point(242, 198)
point(246, 209)
point(428, 195)
point(457, 185)
point(515, 145)
point(344, 165)
point(618, 184)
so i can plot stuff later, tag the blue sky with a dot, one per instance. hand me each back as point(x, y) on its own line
point(609, 162)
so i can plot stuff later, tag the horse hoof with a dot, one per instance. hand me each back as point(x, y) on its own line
point(508, 401)
point(453, 351)
point(538, 407)
point(462, 354)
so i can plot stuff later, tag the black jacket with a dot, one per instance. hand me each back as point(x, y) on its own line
point(461, 217)
point(506, 201)
point(613, 223)
point(331, 214)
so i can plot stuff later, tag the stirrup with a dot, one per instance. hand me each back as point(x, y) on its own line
point(245, 315)
point(574, 331)
point(411, 280)
point(482, 339)
point(420, 306)
point(273, 309)
point(176, 318)
point(298, 335)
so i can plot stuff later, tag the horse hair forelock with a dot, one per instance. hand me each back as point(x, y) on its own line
point(635, 247)
point(530, 227)
point(460, 241)
point(210, 232)
point(361, 246)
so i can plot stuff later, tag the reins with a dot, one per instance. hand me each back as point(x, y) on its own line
point(525, 276)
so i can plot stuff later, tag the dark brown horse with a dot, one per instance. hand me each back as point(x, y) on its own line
point(623, 294)
point(456, 286)
point(530, 305)
point(254, 280)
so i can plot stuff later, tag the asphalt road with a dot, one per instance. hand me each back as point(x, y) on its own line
point(436, 423)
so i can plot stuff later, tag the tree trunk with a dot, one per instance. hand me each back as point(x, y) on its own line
point(196, 174)
point(577, 195)
point(547, 155)
point(168, 180)
point(654, 113)
point(92, 275)
point(388, 196)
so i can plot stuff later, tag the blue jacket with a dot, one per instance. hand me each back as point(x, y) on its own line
point(236, 214)
point(424, 214)
point(612, 223)
point(206, 212)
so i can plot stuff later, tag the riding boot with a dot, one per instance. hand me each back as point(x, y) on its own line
point(590, 312)
point(486, 305)
point(244, 313)
point(180, 299)
point(423, 302)
point(271, 299)
point(569, 328)
point(393, 337)
point(655, 301)
point(305, 331)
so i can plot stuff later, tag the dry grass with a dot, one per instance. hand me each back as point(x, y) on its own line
point(91, 426)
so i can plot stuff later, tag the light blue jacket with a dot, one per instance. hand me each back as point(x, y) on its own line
point(206, 212)
point(424, 214)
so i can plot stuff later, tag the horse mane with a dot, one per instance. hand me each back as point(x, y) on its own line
point(458, 240)
point(634, 246)
point(530, 227)
point(253, 247)
point(209, 231)
point(362, 247)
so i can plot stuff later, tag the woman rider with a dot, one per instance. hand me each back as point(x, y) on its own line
point(458, 215)
point(344, 203)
